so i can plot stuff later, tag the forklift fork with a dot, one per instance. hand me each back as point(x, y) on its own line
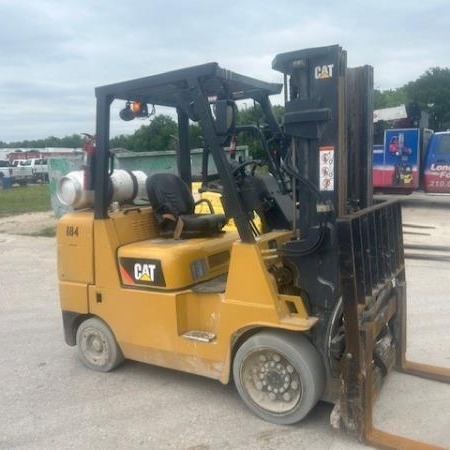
point(374, 313)
point(371, 434)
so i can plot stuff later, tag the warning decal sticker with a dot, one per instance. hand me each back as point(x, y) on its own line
point(326, 167)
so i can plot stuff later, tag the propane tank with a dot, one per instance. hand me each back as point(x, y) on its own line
point(70, 191)
point(124, 186)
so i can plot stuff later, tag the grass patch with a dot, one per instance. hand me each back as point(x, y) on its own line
point(21, 200)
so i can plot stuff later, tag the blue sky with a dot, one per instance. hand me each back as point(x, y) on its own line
point(54, 52)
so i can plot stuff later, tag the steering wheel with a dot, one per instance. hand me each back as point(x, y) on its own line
point(240, 167)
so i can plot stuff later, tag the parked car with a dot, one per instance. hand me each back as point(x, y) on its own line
point(30, 171)
point(5, 169)
point(16, 162)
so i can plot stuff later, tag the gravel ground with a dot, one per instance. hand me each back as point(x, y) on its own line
point(49, 400)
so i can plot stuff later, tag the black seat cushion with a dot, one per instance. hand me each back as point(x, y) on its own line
point(171, 200)
point(169, 194)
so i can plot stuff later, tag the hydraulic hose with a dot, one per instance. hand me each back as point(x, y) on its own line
point(316, 234)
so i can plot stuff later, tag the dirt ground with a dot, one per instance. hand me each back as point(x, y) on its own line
point(49, 400)
point(28, 224)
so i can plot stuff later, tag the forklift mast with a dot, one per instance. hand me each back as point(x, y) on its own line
point(315, 82)
point(327, 160)
point(358, 268)
point(328, 122)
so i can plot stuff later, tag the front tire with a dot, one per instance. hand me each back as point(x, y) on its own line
point(279, 375)
point(97, 346)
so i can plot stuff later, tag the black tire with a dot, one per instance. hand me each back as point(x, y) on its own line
point(97, 346)
point(279, 375)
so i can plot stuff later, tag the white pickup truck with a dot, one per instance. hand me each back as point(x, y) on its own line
point(30, 171)
point(5, 169)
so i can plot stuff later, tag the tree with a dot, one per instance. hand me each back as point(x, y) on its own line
point(278, 111)
point(250, 116)
point(432, 93)
point(122, 141)
point(160, 135)
point(389, 98)
point(254, 116)
point(73, 141)
point(195, 136)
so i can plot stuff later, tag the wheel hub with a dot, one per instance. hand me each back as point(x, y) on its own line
point(95, 347)
point(272, 382)
point(96, 344)
point(275, 377)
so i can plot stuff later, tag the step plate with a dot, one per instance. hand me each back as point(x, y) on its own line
point(200, 336)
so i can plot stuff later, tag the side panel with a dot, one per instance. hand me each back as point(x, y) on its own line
point(378, 166)
point(75, 268)
point(437, 164)
point(153, 326)
point(75, 248)
point(396, 165)
point(171, 264)
point(73, 297)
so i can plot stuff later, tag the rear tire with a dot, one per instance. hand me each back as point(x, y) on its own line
point(279, 375)
point(97, 346)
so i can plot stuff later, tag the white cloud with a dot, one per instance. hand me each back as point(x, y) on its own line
point(56, 52)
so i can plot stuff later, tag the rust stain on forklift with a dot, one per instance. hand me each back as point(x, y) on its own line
point(307, 302)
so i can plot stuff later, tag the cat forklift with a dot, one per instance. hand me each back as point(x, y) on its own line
point(306, 303)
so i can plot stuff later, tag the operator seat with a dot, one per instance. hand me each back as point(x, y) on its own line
point(174, 207)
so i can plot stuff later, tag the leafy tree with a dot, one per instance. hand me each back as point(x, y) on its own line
point(195, 136)
point(74, 141)
point(432, 93)
point(122, 141)
point(160, 135)
point(255, 116)
point(389, 98)
point(252, 115)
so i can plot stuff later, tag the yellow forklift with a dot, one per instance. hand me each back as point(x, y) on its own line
point(306, 303)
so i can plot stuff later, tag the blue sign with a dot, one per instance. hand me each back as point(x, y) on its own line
point(397, 163)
